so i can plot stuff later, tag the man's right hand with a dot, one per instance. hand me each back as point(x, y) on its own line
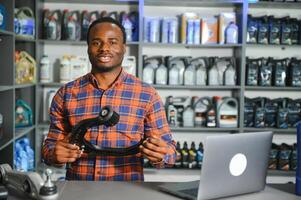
point(64, 152)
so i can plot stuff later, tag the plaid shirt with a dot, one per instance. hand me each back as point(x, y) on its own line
point(141, 113)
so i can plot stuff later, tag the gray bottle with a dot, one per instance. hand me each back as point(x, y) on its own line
point(188, 117)
point(227, 113)
point(189, 75)
point(176, 77)
point(230, 74)
point(213, 75)
point(201, 71)
point(151, 64)
point(161, 75)
point(201, 107)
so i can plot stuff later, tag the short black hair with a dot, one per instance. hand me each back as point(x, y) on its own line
point(107, 20)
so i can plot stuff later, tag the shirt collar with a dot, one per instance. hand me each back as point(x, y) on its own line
point(119, 80)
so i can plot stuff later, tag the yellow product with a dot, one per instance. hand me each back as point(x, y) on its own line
point(224, 20)
point(209, 30)
point(25, 68)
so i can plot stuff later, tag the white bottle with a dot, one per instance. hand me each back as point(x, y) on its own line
point(46, 73)
point(65, 70)
point(189, 75)
point(231, 33)
point(161, 75)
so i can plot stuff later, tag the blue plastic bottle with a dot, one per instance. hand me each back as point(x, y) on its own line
point(298, 171)
point(2, 17)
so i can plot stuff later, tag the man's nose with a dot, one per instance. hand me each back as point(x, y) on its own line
point(105, 46)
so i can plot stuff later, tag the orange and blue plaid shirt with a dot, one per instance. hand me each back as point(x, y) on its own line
point(141, 114)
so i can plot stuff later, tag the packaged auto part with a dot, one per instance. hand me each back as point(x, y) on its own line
point(25, 68)
point(188, 117)
point(2, 17)
point(79, 66)
point(252, 30)
point(295, 73)
point(200, 155)
point(294, 158)
point(231, 33)
point(178, 162)
point(252, 71)
point(222, 64)
point(296, 29)
point(71, 25)
point(26, 21)
point(180, 103)
point(209, 29)
point(176, 66)
point(263, 30)
point(152, 29)
point(259, 119)
point(294, 112)
point(284, 157)
point(249, 113)
point(225, 19)
point(134, 17)
point(190, 75)
point(265, 72)
point(161, 75)
point(201, 65)
point(282, 116)
point(273, 157)
point(227, 113)
point(197, 31)
point(52, 24)
point(286, 31)
point(128, 26)
point(86, 19)
point(185, 155)
point(201, 107)
point(171, 112)
point(275, 30)
point(190, 31)
point(270, 109)
point(184, 26)
point(213, 73)
point(192, 156)
point(65, 69)
point(211, 116)
point(46, 71)
point(23, 114)
point(230, 73)
point(129, 64)
point(280, 72)
point(150, 65)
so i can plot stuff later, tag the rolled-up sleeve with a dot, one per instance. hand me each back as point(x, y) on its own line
point(58, 126)
point(156, 124)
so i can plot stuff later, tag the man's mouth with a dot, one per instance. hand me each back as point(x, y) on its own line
point(104, 58)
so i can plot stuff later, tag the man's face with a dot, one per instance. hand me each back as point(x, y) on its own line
point(106, 48)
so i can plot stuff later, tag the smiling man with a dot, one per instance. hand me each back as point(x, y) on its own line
point(138, 104)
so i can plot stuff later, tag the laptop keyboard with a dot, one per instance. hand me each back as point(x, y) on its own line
point(192, 192)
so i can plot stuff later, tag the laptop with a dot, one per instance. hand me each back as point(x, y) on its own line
point(233, 164)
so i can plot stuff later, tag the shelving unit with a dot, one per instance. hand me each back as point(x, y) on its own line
point(9, 91)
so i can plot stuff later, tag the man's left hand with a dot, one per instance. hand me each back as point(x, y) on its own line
point(154, 149)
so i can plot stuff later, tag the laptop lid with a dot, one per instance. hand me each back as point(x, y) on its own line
point(233, 164)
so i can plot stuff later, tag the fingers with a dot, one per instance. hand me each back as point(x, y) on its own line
point(65, 152)
point(154, 149)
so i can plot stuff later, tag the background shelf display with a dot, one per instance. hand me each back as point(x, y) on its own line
point(40, 46)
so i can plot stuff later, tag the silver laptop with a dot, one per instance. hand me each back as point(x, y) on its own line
point(233, 164)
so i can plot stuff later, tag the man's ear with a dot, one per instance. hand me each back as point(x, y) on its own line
point(124, 48)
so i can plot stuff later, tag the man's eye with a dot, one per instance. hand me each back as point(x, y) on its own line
point(95, 43)
point(113, 42)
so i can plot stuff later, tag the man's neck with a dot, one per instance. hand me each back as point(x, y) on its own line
point(106, 79)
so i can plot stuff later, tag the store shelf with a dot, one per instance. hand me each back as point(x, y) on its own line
point(44, 125)
point(203, 129)
point(20, 132)
point(4, 32)
point(111, 2)
point(273, 45)
point(20, 39)
point(281, 173)
point(70, 42)
point(279, 5)
point(54, 84)
point(5, 144)
point(21, 86)
point(191, 46)
point(196, 87)
point(5, 88)
point(275, 130)
point(267, 88)
point(194, 3)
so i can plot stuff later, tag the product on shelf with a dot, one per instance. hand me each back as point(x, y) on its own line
point(285, 152)
point(273, 72)
point(23, 114)
point(1, 126)
point(86, 19)
point(202, 112)
point(129, 64)
point(23, 155)
point(228, 30)
point(2, 17)
point(189, 71)
point(169, 30)
point(52, 24)
point(281, 113)
point(73, 67)
point(209, 30)
point(130, 23)
point(272, 30)
point(24, 22)
point(71, 26)
point(274, 156)
point(25, 68)
point(46, 71)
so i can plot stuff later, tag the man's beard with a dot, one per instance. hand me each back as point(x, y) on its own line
point(104, 69)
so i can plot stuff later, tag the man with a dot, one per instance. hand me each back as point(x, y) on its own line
point(138, 104)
